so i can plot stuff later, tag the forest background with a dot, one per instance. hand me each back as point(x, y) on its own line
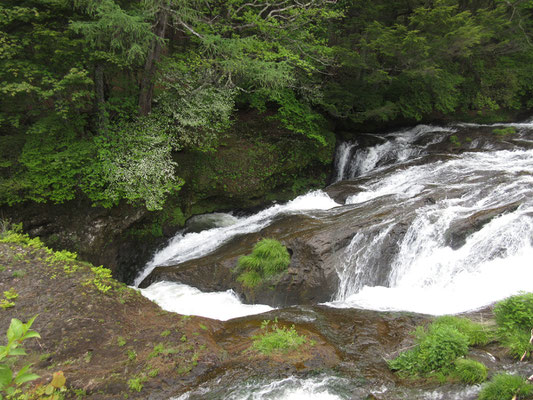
point(99, 96)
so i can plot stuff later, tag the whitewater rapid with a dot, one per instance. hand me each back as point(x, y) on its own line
point(185, 246)
point(429, 199)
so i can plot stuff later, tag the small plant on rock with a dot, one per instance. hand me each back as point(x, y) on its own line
point(268, 258)
point(514, 317)
point(277, 339)
point(437, 348)
point(506, 387)
point(470, 371)
point(503, 132)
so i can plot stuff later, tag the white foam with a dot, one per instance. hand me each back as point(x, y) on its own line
point(291, 388)
point(183, 247)
point(427, 275)
point(183, 299)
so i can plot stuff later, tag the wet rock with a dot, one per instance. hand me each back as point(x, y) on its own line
point(311, 276)
point(461, 229)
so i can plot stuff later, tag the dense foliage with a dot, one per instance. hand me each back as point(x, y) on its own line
point(99, 95)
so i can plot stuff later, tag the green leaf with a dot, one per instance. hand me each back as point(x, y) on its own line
point(25, 377)
point(16, 352)
point(31, 334)
point(28, 324)
point(6, 376)
point(15, 330)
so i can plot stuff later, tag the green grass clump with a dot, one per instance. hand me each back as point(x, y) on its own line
point(470, 371)
point(514, 317)
point(277, 339)
point(477, 334)
point(437, 348)
point(505, 387)
point(268, 258)
point(502, 132)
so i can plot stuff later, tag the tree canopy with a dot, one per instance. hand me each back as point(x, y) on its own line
point(97, 95)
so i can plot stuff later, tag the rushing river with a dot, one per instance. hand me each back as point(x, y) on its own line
point(429, 272)
point(433, 230)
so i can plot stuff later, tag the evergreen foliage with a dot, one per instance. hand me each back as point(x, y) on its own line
point(78, 80)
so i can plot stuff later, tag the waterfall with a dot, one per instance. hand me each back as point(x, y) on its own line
point(186, 246)
point(352, 161)
point(431, 231)
point(428, 273)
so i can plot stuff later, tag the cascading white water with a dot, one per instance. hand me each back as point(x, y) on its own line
point(396, 147)
point(427, 275)
point(184, 299)
point(424, 205)
point(292, 388)
point(342, 158)
point(186, 246)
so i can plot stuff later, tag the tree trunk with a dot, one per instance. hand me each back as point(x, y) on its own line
point(147, 84)
point(101, 115)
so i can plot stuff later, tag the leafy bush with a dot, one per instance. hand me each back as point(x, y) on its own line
point(504, 387)
point(477, 334)
point(437, 348)
point(515, 312)
point(277, 339)
point(268, 258)
point(514, 317)
point(470, 371)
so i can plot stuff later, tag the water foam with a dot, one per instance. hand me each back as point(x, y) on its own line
point(184, 299)
point(427, 275)
point(187, 246)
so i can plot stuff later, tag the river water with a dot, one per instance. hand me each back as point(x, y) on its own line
point(466, 223)
point(428, 273)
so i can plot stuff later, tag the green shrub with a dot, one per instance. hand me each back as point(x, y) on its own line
point(470, 371)
point(436, 350)
point(277, 339)
point(515, 312)
point(455, 141)
point(477, 334)
point(514, 317)
point(504, 387)
point(268, 258)
point(502, 132)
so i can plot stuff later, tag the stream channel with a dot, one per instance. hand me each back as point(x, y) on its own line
point(416, 220)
